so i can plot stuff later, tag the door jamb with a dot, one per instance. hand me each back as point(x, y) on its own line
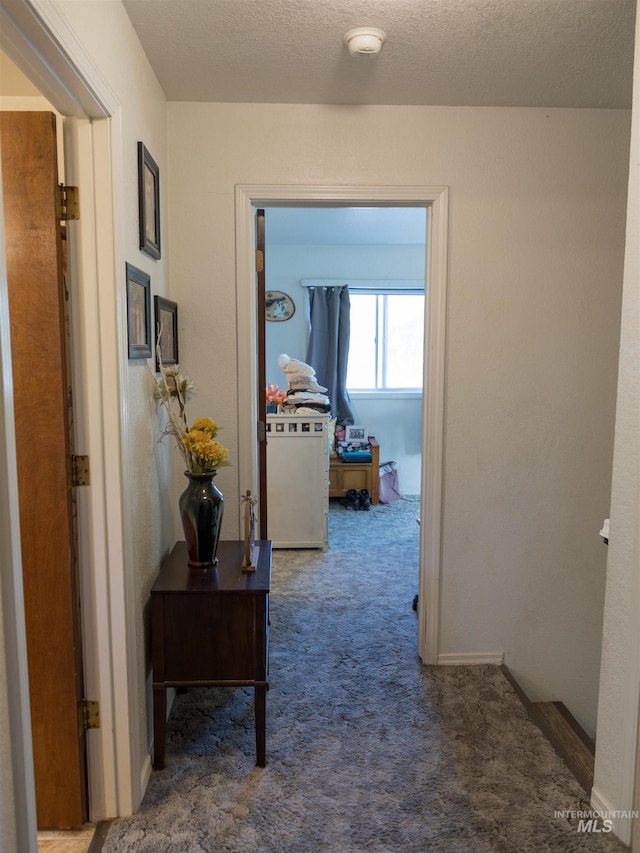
point(436, 200)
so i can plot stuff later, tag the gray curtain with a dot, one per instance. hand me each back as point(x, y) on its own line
point(328, 351)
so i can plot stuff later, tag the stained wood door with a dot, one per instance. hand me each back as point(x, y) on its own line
point(43, 438)
point(261, 371)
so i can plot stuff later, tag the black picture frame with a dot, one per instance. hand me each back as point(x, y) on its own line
point(166, 314)
point(148, 202)
point(139, 313)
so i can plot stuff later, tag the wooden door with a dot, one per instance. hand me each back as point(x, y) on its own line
point(262, 373)
point(43, 430)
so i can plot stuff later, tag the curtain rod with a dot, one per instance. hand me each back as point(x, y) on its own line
point(366, 284)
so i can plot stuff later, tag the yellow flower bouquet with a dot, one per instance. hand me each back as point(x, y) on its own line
point(201, 452)
point(204, 453)
point(202, 503)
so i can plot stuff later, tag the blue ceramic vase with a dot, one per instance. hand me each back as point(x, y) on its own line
point(201, 507)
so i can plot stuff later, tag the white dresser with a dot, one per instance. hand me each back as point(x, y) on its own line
point(297, 480)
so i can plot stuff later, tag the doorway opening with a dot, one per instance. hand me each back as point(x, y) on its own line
point(435, 201)
point(379, 253)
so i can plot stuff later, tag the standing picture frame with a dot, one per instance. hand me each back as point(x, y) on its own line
point(148, 202)
point(138, 312)
point(355, 433)
point(166, 314)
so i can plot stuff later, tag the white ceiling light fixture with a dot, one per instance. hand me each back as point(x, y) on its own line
point(364, 41)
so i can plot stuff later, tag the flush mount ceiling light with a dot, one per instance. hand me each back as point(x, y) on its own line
point(364, 41)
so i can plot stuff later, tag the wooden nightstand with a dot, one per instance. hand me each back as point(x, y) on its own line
point(356, 475)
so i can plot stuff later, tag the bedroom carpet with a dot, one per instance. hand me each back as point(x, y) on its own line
point(367, 750)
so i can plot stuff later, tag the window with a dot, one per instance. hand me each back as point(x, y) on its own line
point(387, 340)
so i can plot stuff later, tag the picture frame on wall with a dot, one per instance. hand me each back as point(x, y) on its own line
point(148, 202)
point(166, 313)
point(139, 312)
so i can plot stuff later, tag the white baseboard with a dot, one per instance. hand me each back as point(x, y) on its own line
point(621, 821)
point(599, 803)
point(471, 658)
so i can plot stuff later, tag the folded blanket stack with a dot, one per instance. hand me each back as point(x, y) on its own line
point(354, 451)
point(305, 395)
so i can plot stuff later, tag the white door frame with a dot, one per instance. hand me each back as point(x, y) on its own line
point(436, 200)
point(39, 40)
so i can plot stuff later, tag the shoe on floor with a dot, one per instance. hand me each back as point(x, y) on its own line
point(365, 499)
point(351, 500)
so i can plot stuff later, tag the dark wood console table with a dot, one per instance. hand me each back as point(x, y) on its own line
point(210, 627)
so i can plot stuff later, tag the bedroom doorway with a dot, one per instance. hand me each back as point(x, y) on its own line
point(435, 201)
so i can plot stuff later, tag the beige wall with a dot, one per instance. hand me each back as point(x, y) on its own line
point(536, 251)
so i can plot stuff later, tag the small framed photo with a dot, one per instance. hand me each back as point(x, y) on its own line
point(166, 313)
point(355, 433)
point(139, 312)
point(148, 202)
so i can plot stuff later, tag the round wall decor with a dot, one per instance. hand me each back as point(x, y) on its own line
point(279, 306)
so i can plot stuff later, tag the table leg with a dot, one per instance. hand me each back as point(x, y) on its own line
point(260, 704)
point(159, 726)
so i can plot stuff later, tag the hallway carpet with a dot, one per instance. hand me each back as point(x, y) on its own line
point(367, 750)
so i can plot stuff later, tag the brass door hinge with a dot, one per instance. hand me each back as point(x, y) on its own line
point(67, 203)
point(262, 431)
point(88, 715)
point(259, 261)
point(78, 471)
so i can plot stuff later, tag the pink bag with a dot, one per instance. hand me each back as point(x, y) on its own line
point(389, 487)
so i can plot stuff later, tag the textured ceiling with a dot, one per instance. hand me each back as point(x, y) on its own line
point(533, 53)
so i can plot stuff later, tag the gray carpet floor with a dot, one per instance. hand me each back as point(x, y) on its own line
point(367, 750)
